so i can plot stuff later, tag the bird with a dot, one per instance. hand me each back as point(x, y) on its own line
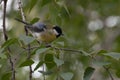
point(42, 32)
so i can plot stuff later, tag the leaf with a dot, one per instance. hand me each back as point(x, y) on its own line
point(67, 75)
point(84, 53)
point(3, 56)
point(6, 76)
point(32, 4)
point(45, 72)
point(1, 50)
point(38, 65)
point(26, 39)
point(118, 73)
point(113, 55)
point(49, 61)
point(44, 2)
point(58, 62)
point(101, 63)
point(102, 51)
point(58, 20)
point(88, 73)
point(61, 43)
point(34, 20)
point(9, 42)
point(26, 63)
point(61, 3)
point(42, 50)
point(67, 10)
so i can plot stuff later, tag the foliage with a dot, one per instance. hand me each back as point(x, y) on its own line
point(78, 55)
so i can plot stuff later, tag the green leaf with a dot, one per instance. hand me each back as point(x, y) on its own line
point(67, 10)
point(61, 43)
point(42, 50)
point(44, 2)
point(84, 53)
point(26, 39)
point(67, 75)
point(45, 72)
point(49, 61)
point(38, 65)
point(33, 52)
point(102, 51)
point(88, 73)
point(101, 63)
point(58, 20)
point(9, 42)
point(26, 63)
point(118, 73)
point(61, 3)
point(113, 55)
point(34, 20)
point(32, 4)
point(58, 61)
point(3, 56)
point(1, 50)
point(6, 76)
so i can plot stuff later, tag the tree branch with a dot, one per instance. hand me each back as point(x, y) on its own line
point(57, 48)
point(108, 71)
point(4, 21)
point(6, 38)
point(27, 33)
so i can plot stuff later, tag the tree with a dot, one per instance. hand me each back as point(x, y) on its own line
point(88, 50)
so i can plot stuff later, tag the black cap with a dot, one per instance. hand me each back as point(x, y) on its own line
point(59, 30)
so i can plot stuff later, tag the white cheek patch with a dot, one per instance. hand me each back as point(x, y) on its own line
point(56, 33)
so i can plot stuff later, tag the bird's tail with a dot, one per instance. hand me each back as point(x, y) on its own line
point(26, 23)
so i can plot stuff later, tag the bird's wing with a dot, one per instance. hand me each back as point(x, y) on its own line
point(38, 27)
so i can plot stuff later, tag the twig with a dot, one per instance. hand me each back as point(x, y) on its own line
point(31, 47)
point(64, 49)
point(21, 10)
point(44, 78)
point(22, 14)
point(27, 33)
point(4, 21)
point(108, 71)
point(6, 38)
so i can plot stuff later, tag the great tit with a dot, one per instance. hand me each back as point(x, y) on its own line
point(42, 32)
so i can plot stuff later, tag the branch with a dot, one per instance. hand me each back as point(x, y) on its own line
point(22, 14)
point(4, 21)
point(26, 31)
point(6, 38)
point(108, 71)
point(21, 10)
point(64, 49)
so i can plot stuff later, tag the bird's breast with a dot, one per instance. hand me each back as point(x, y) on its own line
point(46, 36)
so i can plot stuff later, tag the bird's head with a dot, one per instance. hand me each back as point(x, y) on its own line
point(58, 31)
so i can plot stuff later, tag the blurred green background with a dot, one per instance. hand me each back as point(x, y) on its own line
point(92, 26)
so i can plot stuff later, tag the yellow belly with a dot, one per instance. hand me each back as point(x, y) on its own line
point(46, 37)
